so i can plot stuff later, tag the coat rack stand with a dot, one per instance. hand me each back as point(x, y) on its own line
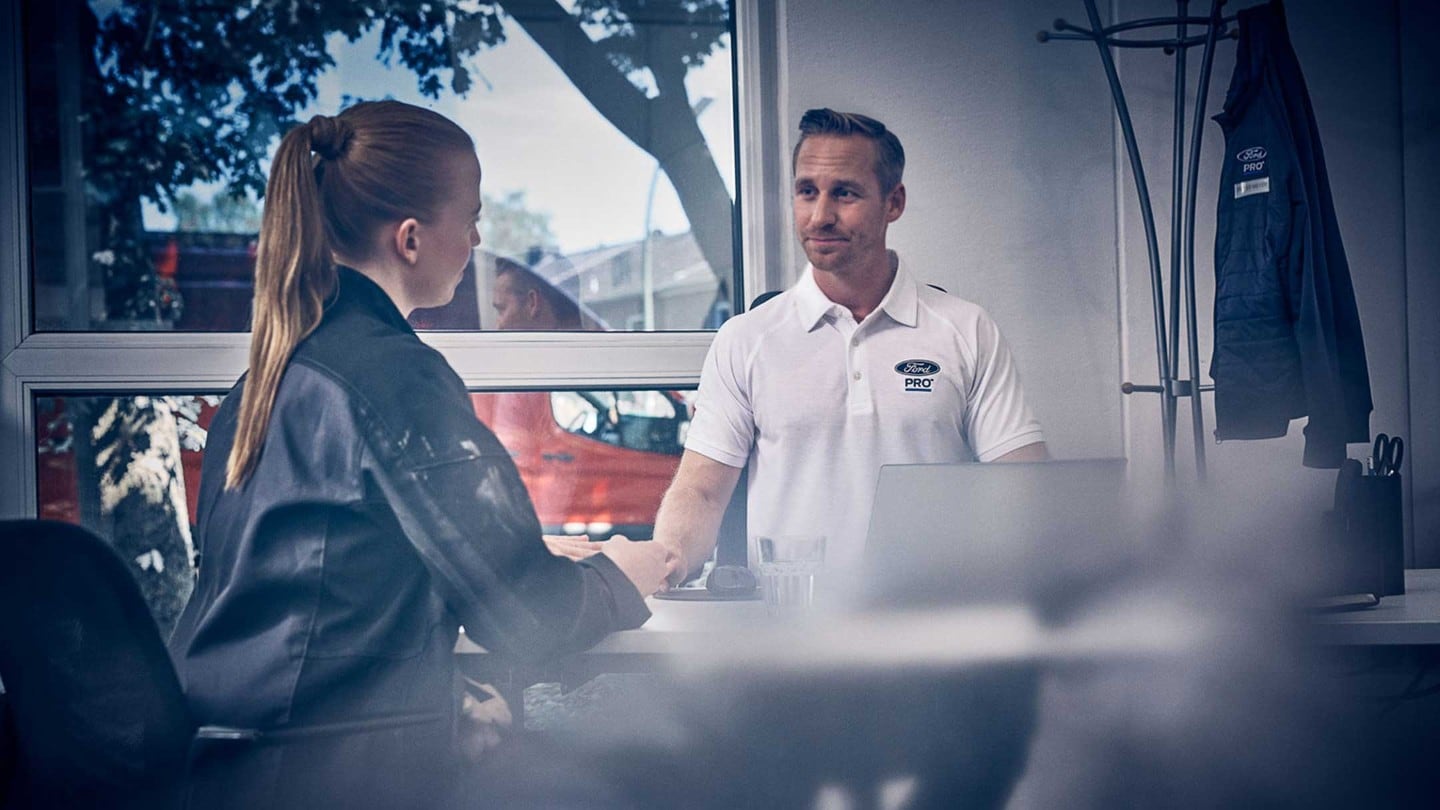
point(1189, 32)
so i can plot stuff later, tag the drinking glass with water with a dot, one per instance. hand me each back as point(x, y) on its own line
point(788, 565)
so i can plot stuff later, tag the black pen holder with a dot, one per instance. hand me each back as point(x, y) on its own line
point(1370, 533)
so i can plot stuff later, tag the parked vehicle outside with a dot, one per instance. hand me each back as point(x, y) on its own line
point(594, 462)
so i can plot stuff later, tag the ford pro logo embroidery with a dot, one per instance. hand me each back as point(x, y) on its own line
point(1252, 161)
point(917, 374)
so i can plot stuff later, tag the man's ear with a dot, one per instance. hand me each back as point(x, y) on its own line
point(895, 203)
point(532, 302)
point(407, 240)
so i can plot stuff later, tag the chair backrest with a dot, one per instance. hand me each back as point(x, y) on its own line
point(96, 708)
point(7, 746)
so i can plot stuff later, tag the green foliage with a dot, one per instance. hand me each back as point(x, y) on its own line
point(509, 228)
point(193, 91)
point(223, 213)
point(700, 23)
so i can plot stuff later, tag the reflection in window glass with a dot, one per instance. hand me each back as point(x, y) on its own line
point(605, 128)
point(646, 421)
point(589, 466)
point(128, 467)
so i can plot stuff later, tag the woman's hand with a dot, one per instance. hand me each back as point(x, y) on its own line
point(645, 563)
point(482, 722)
point(572, 547)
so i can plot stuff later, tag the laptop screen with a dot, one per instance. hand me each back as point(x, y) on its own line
point(989, 533)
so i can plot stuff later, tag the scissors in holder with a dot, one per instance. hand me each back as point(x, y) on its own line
point(1386, 455)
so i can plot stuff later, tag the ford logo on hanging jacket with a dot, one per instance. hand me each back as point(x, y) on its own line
point(1253, 153)
point(918, 368)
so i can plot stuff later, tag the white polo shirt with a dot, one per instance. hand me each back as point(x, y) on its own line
point(815, 403)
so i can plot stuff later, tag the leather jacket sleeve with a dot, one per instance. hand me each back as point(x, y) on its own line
point(462, 505)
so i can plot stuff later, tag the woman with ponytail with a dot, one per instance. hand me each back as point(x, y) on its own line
point(353, 512)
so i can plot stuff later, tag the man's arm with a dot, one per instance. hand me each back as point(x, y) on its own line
point(688, 522)
point(1030, 452)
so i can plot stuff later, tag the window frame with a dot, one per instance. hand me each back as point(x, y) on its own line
point(105, 362)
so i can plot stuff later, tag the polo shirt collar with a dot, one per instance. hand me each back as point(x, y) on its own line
point(901, 303)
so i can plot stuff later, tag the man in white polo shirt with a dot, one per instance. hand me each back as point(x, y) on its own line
point(859, 364)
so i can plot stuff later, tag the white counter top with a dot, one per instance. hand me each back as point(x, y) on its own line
point(1411, 618)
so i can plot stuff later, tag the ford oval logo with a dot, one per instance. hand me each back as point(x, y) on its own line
point(1253, 153)
point(918, 368)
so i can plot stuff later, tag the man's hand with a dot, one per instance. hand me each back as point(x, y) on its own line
point(482, 722)
point(688, 522)
point(578, 548)
point(645, 563)
point(676, 567)
point(572, 547)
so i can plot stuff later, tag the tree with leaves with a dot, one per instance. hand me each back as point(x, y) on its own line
point(184, 91)
point(510, 228)
point(178, 92)
point(223, 213)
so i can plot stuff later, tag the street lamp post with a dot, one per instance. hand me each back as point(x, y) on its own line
point(647, 258)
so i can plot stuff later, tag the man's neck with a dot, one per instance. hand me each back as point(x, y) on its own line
point(860, 292)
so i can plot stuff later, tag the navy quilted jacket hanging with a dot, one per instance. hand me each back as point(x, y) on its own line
point(1287, 331)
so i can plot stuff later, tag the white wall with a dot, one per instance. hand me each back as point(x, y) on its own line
point(1420, 72)
point(1009, 172)
point(1020, 199)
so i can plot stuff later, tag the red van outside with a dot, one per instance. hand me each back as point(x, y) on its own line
point(594, 462)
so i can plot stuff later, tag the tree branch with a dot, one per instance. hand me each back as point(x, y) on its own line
point(664, 126)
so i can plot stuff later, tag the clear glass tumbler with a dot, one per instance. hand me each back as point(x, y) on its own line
point(788, 565)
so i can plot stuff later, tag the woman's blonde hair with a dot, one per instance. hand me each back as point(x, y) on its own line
point(333, 184)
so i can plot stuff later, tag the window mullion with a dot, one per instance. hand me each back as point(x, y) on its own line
point(157, 361)
point(14, 250)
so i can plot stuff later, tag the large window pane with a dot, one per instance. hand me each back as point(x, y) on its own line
point(605, 127)
point(129, 469)
point(594, 461)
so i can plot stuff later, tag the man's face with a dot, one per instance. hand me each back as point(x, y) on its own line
point(519, 307)
point(509, 304)
point(841, 215)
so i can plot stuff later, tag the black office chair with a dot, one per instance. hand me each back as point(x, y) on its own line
point(7, 746)
point(96, 714)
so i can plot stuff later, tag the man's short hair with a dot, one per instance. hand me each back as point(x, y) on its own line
point(567, 312)
point(890, 155)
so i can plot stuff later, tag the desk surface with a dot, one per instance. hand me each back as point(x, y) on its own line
point(673, 627)
point(704, 634)
point(1411, 618)
point(730, 635)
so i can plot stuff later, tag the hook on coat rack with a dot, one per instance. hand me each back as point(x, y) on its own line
point(1182, 201)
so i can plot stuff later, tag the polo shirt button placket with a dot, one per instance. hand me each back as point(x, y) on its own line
point(860, 400)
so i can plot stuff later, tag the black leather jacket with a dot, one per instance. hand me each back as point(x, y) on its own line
point(381, 515)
